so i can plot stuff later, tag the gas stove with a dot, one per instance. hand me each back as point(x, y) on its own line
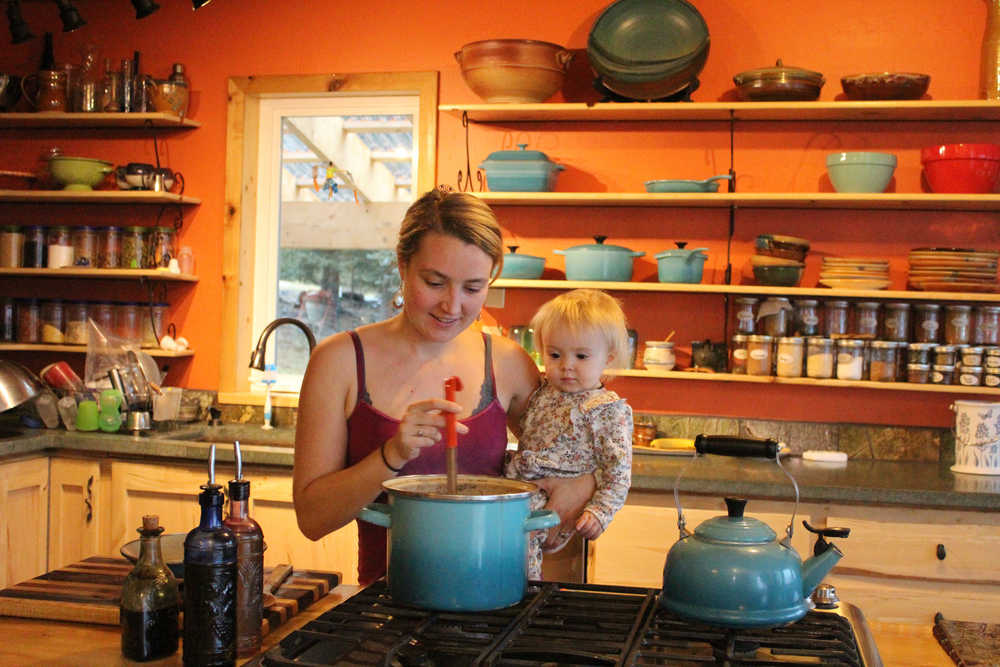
point(563, 624)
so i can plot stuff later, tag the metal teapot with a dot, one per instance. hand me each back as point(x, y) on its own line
point(732, 570)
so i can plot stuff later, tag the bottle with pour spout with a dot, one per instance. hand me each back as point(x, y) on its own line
point(210, 582)
point(149, 603)
point(249, 563)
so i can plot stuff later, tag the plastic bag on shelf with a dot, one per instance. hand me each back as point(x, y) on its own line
point(106, 351)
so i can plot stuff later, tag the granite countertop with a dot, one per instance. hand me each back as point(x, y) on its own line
point(861, 481)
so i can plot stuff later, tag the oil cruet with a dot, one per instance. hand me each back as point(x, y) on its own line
point(249, 563)
point(149, 602)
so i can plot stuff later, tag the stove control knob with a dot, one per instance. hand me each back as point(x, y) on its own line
point(825, 597)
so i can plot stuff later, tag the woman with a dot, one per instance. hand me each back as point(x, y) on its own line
point(371, 404)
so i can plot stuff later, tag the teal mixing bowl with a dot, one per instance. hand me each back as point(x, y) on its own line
point(860, 171)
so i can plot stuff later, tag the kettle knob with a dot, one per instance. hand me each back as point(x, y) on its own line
point(735, 507)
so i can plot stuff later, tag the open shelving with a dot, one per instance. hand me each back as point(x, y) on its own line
point(101, 274)
point(82, 349)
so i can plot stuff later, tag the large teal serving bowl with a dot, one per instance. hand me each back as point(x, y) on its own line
point(860, 171)
point(638, 32)
point(78, 173)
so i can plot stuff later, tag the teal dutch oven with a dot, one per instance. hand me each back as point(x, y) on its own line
point(520, 171)
point(460, 552)
point(526, 267)
point(732, 570)
point(596, 261)
point(680, 265)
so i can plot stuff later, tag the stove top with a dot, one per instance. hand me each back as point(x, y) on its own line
point(561, 624)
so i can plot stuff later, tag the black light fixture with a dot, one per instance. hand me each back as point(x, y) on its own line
point(144, 8)
point(71, 18)
point(19, 32)
point(198, 4)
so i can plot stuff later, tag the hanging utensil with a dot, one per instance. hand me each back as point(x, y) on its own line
point(451, 385)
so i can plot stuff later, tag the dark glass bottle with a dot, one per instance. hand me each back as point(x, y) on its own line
point(48, 53)
point(249, 563)
point(149, 604)
point(210, 582)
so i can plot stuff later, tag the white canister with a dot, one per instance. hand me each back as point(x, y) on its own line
point(977, 437)
point(659, 355)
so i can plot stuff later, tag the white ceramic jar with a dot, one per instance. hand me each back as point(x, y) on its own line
point(659, 355)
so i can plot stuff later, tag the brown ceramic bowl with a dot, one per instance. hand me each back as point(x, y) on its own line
point(885, 86)
point(513, 70)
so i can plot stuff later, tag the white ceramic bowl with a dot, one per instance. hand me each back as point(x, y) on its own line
point(860, 171)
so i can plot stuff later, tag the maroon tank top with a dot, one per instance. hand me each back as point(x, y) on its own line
point(480, 451)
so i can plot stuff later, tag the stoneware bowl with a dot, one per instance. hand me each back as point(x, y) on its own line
point(513, 70)
point(885, 85)
point(78, 173)
point(962, 168)
point(860, 171)
point(779, 276)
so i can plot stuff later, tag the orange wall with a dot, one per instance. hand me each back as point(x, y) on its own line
point(232, 38)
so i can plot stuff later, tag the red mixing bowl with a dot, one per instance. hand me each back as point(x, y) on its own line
point(964, 168)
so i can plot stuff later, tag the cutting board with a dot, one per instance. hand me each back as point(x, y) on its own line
point(89, 592)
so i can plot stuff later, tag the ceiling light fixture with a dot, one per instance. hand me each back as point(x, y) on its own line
point(19, 32)
point(144, 8)
point(71, 18)
point(198, 4)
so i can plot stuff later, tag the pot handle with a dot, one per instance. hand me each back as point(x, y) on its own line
point(539, 519)
point(638, 253)
point(378, 513)
point(559, 252)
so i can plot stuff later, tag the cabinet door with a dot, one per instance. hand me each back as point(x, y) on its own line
point(138, 489)
point(24, 502)
point(75, 509)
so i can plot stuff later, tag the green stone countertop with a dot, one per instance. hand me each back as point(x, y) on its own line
point(859, 481)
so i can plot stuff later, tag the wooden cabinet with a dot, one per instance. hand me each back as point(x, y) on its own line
point(78, 510)
point(24, 497)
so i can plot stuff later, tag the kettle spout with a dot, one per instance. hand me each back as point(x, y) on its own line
point(817, 567)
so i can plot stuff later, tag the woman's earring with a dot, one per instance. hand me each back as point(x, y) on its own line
point(397, 298)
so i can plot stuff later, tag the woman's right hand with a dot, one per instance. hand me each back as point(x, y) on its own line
point(420, 427)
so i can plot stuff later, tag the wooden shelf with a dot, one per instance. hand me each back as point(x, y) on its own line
point(82, 349)
point(101, 274)
point(56, 119)
point(917, 110)
point(95, 197)
point(825, 292)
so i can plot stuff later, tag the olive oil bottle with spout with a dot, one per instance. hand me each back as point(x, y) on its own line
point(249, 563)
point(149, 603)
point(210, 582)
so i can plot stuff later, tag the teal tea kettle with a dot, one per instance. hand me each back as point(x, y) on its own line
point(733, 571)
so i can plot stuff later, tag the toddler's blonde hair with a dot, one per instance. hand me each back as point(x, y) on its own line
point(582, 310)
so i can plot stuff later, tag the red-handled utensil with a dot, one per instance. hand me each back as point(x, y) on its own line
point(451, 385)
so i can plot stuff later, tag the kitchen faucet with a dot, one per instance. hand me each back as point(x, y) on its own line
point(257, 356)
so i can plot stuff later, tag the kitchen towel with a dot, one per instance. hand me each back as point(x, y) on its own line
point(969, 644)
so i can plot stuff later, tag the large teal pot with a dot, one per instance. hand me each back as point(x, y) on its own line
point(462, 552)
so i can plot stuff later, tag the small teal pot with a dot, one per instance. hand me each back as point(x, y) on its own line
point(525, 267)
point(680, 265)
point(462, 552)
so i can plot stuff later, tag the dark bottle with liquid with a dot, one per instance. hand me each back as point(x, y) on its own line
point(149, 604)
point(210, 582)
point(249, 563)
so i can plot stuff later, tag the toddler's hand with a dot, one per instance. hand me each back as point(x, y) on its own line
point(588, 526)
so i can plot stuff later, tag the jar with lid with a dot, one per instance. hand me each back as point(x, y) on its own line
point(991, 357)
point(127, 323)
point(109, 248)
point(738, 364)
point(34, 247)
point(901, 360)
point(29, 321)
point(53, 321)
point(659, 355)
point(773, 316)
point(790, 353)
point(942, 373)
point(986, 330)
point(957, 324)
point(883, 367)
point(806, 317)
point(134, 248)
point(918, 373)
point(8, 320)
point(152, 316)
point(84, 246)
point(945, 355)
point(926, 322)
point(11, 247)
point(161, 247)
point(970, 376)
point(850, 358)
point(819, 357)
point(76, 323)
point(744, 314)
point(867, 319)
point(972, 355)
point(919, 353)
point(896, 323)
point(60, 247)
point(103, 314)
point(759, 355)
point(991, 377)
point(835, 318)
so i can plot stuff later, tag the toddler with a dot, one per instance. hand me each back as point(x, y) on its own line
point(573, 425)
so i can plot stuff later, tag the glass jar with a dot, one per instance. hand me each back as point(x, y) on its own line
point(773, 316)
point(919, 353)
point(103, 315)
point(759, 355)
point(53, 324)
point(819, 357)
point(127, 323)
point(134, 248)
point(991, 357)
point(901, 360)
point(76, 323)
point(84, 246)
point(109, 248)
point(161, 247)
point(970, 376)
point(972, 355)
point(896, 323)
point(806, 320)
point(866, 320)
point(34, 247)
point(945, 355)
point(850, 359)
point(986, 330)
point(659, 355)
point(790, 353)
point(11, 247)
point(8, 320)
point(59, 247)
point(926, 322)
point(29, 321)
point(744, 313)
point(152, 323)
point(942, 373)
point(738, 364)
point(835, 318)
point(185, 257)
point(918, 373)
point(957, 324)
point(991, 377)
point(882, 367)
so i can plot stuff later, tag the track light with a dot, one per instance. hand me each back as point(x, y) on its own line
point(144, 8)
point(71, 18)
point(19, 32)
point(198, 4)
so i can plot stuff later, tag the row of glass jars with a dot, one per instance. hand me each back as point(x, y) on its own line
point(858, 359)
point(105, 247)
point(55, 321)
point(954, 324)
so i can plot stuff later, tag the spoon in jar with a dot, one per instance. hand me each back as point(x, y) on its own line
point(451, 385)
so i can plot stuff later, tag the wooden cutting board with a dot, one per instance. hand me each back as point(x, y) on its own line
point(89, 592)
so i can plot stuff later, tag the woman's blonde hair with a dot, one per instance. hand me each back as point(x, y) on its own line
point(456, 214)
point(582, 310)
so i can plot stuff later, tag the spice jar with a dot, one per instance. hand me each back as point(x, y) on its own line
point(34, 247)
point(970, 376)
point(942, 373)
point(103, 315)
point(127, 324)
point(919, 353)
point(991, 357)
point(84, 246)
point(161, 247)
point(759, 354)
point(882, 367)
point(109, 248)
point(806, 320)
point(152, 323)
point(790, 353)
point(76, 323)
point(896, 324)
point(945, 355)
point(866, 321)
point(134, 248)
point(8, 320)
point(986, 330)
point(972, 355)
point(52, 322)
point(738, 363)
point(991, 377)
point(773, 316)
point(850, 358)
point(744, 313)
point(926, 322)
point(185, 257)
point(28, 321)
point(918, 373)
point(957, 324)
point(11, 247)
point(60, 247)
point(834, 318)
point(819, 357)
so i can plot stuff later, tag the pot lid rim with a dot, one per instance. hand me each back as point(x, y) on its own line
point(524, 489)
point(522, 154)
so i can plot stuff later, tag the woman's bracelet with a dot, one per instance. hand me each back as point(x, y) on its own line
point(385, 460)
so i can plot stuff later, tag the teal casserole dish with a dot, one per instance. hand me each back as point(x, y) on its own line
point(520, 171)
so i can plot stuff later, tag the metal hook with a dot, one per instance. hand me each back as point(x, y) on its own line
point(465, 180)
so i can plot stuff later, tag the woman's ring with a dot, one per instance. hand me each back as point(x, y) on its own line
point(420, 433)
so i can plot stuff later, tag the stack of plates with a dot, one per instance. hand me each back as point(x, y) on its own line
point(854, 273)
point(953, 270)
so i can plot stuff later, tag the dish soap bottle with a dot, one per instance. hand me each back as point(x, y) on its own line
point(210, 582)
point(249, 563)
point(149, 604)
